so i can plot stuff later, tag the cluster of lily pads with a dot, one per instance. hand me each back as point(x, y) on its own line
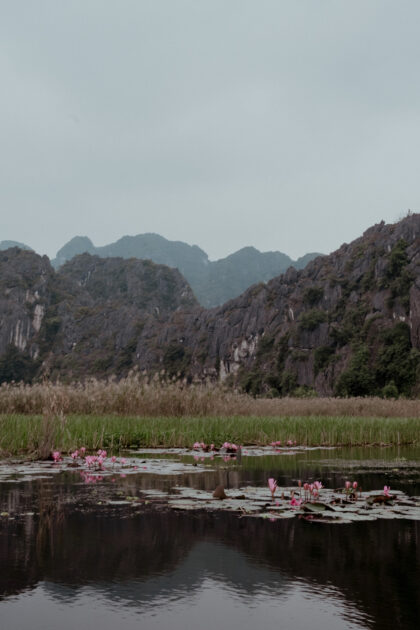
point(308, 501)
point(232, 448)
point(227, 447)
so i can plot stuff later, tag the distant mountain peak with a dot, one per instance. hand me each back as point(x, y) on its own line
point(8, 244)
point(213, 282)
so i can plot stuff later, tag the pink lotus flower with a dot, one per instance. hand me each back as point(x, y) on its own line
point(113, 459)
point(56, 456)
point(386, 490)
point(196, 445)
point(295, 502)
point(75, 455)
point(272, 484)
point(318, 485)
point(83, 450)
point(348, 485)
point(355, 485)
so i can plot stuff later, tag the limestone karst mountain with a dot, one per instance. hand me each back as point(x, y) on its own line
point(348, 323)
point(85, 319)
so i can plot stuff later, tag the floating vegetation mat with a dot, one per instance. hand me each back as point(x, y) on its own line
point(14, 472)
point(333, 506)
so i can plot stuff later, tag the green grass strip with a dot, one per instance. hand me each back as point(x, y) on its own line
point(23, 434)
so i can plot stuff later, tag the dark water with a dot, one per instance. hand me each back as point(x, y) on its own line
point(68, 561)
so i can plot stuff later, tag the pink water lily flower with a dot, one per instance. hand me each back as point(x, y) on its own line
point(295, 502)
point(355, 485)
point(348, 485)
point(56, 456)
point(386, 490)
point(272, 484)
point(318, 485)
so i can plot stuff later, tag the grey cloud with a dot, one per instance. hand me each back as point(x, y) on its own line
point(285, 125)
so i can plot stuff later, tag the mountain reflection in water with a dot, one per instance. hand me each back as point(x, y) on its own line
point(173, 570)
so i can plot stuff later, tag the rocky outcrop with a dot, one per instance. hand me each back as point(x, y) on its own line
point(26, 289)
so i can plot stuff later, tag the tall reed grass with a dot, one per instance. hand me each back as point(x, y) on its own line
point(138, 396)
point(136, 412)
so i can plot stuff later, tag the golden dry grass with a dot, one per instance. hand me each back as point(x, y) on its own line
point(137, 396)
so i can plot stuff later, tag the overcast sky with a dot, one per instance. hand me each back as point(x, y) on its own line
point(289, 126)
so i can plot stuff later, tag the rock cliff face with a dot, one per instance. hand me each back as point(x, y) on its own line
point(85, 319)
point(212, 282)
point(26, 287)
point(348, 323)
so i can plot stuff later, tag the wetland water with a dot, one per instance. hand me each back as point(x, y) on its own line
point(75, 553)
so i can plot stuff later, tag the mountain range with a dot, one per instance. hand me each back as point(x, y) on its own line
point(346, 324)
point(213, 282)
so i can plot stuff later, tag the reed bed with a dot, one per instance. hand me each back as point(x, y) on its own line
point(38, 435)
point(136, 412)
point(137, 396)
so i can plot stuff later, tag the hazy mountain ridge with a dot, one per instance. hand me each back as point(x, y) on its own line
point(8, 244)
point(213, 282)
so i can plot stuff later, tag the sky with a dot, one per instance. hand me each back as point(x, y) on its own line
point(286, 125)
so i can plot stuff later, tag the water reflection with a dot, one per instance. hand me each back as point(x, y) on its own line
point(68, 561)
point(154, 563)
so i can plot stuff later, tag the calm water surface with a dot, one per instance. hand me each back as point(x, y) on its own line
point(67, 561)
